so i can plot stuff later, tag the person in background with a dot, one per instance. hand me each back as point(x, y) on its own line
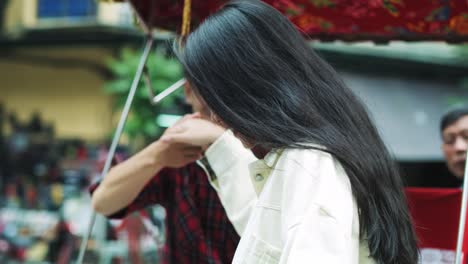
point(198, 229)
point(454, 132)
point(327, 190)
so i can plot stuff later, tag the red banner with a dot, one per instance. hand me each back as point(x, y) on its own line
point(436, 216)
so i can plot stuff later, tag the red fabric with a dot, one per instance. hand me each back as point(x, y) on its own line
point(339, 19)
point(134, 230)
point(198, 230)
point(436, 215)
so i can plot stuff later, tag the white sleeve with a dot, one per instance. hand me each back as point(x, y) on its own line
point(318, 237)
point(229, 160)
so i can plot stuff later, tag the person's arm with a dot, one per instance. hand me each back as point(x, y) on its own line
point(229, 160)
point(125, 181)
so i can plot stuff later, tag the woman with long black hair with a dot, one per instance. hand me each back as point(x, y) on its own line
point(328, 190)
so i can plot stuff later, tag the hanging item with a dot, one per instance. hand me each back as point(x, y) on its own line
point(350, 20)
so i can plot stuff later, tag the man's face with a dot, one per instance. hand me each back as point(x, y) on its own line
point(454, 146)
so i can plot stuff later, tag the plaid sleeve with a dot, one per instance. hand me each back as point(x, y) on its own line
point(157, 191)
point(117, 215)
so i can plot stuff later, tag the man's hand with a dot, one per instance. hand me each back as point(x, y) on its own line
point(193, 130)
point(175, 155)
point(185, 141)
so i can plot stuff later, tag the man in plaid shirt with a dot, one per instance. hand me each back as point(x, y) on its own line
point(198, 229)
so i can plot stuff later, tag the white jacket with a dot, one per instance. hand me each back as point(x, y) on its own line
point(294, 206)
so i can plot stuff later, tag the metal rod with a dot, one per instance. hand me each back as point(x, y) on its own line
point(168, 91)
point(461, 226)
point(115, 140)
point(149, 84)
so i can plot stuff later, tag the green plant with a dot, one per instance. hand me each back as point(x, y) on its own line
point(463, 52)
point(462, 56)
point(141, 126)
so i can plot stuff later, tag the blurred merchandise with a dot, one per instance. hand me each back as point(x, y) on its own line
point(34, 187)
point(45, 205)
point(28, 233)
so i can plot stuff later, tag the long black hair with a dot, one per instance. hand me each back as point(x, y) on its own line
point(257, 73)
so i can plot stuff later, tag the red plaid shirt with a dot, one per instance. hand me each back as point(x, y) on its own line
point(198, 230)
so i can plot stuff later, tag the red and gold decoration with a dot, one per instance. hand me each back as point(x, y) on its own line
point(377, 20)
